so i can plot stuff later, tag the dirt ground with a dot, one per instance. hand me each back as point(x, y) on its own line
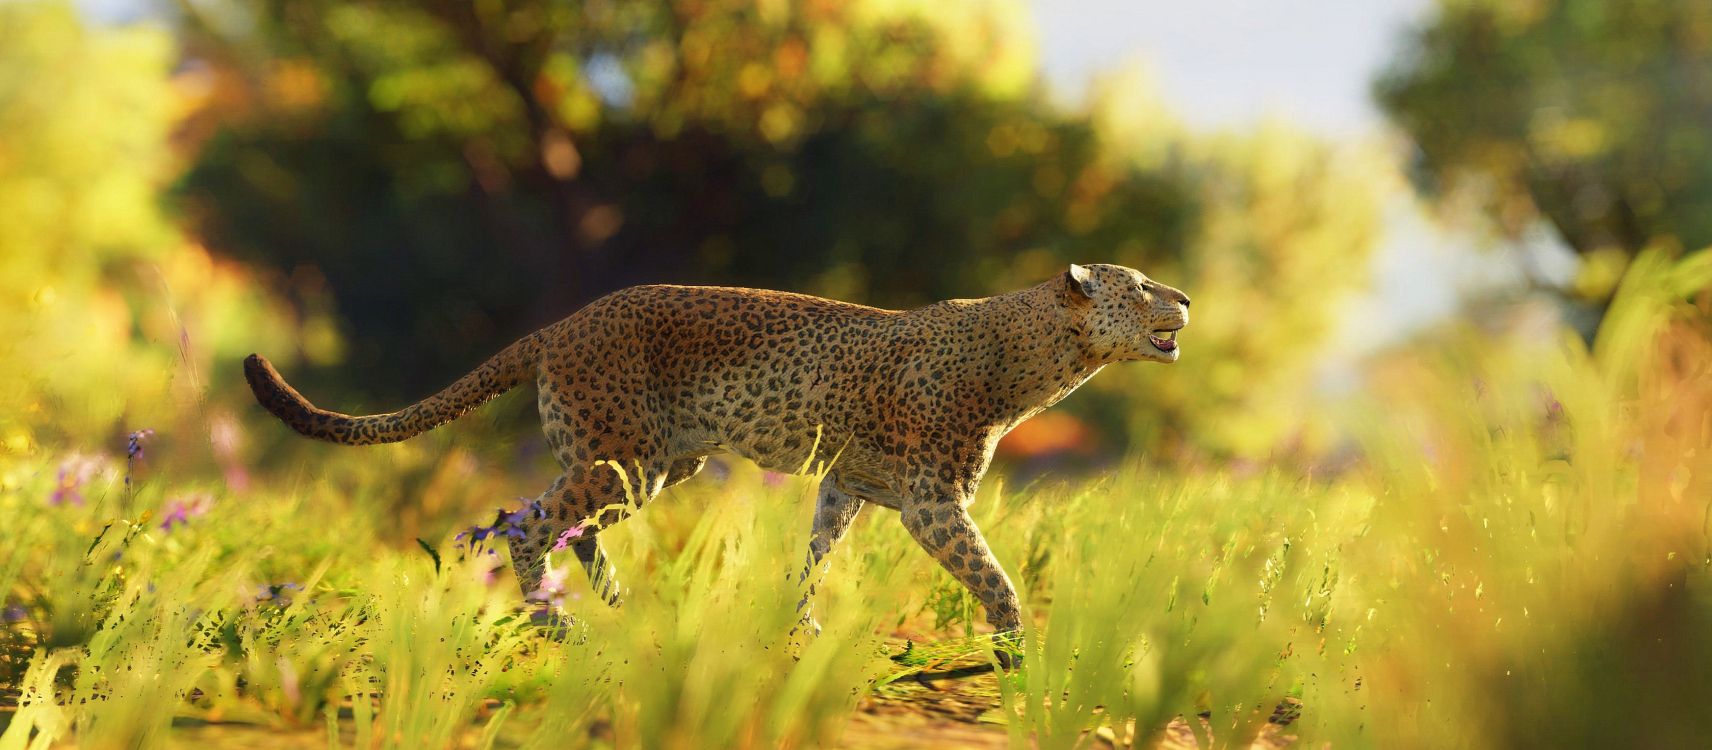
point(956, 705)
point(931, 713)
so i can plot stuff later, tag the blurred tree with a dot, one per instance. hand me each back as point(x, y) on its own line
point(109, 317)
point(1589, 114)
point(509, 161)
point(1289, 227)
point(1285, 227)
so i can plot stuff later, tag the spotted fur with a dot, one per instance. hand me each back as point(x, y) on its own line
point(905, 407)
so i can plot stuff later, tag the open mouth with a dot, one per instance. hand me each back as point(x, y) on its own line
point(1165, 341)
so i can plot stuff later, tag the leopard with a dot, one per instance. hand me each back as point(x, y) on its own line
point(900, 409)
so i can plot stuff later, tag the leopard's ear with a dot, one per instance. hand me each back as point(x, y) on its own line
point(1079, 281)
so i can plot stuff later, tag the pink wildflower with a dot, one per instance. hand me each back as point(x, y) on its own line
point(227, 439)
point(566, 537)
point(74, 472)
point(552, 590)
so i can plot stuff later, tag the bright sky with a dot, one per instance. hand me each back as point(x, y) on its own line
point(1227, 62)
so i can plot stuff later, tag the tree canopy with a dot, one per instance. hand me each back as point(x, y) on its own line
point(1591, 115)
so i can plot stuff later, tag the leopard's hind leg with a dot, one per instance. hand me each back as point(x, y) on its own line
point(682, 469)
point(612, 450)
point(576, 508)
point(834, 511)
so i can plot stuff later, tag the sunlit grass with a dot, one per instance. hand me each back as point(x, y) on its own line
point(1519, 557)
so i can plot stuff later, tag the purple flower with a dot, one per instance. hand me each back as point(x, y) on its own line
point(277, 593)
point(134, 451)
point(530, 509)
point(179, 512)
point(474, 535)
point(507, 524)
point(134, 445)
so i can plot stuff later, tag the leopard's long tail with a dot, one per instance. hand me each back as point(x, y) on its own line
point(502, 372)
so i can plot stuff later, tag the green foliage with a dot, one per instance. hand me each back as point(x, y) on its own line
point(82, 157)
point(1286, 227)
point(110, 319)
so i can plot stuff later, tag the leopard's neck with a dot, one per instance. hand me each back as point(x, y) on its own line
point(1038, 358)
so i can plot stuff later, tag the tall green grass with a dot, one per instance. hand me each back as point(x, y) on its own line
point(1518, 556)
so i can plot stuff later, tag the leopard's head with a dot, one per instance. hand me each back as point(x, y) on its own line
point(1119, 314)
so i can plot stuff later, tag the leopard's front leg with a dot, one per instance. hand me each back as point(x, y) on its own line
point(941, 524)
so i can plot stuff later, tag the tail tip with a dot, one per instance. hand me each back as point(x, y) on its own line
point(255, 368)
point(264, 381)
